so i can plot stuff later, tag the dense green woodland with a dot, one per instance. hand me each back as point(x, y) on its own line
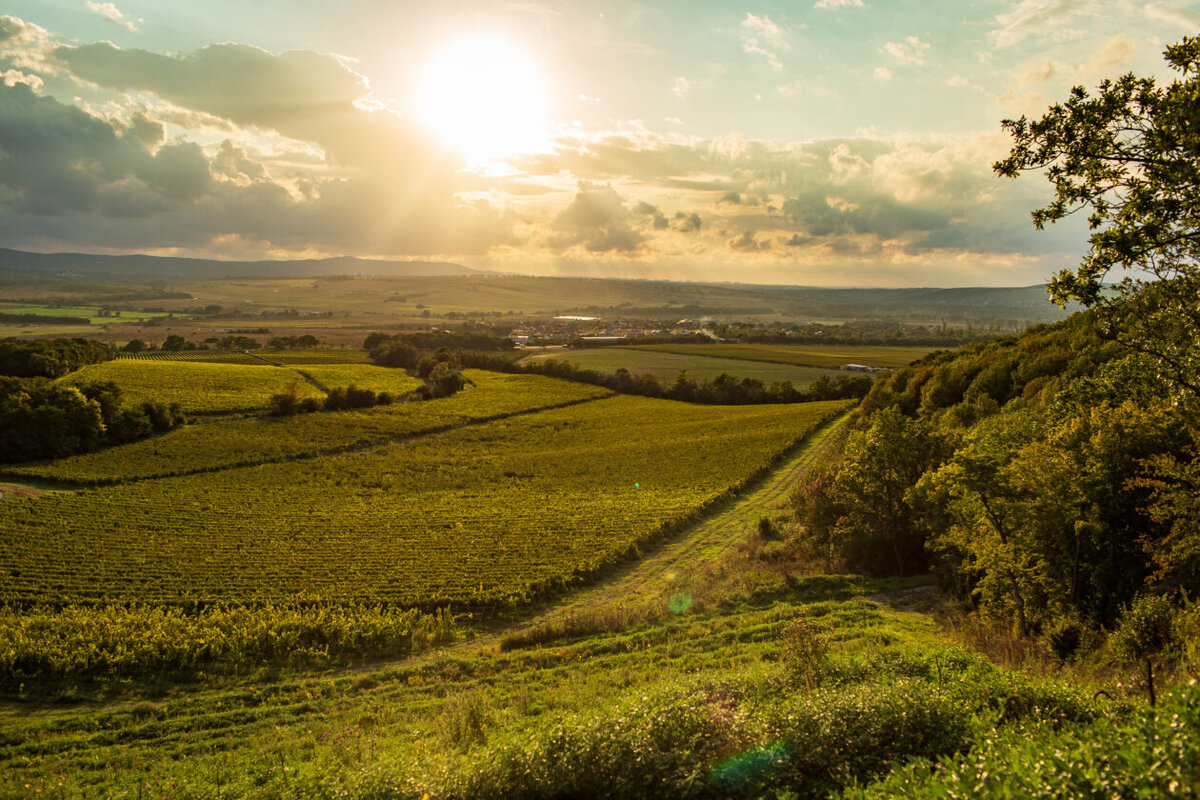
point(1052, 477)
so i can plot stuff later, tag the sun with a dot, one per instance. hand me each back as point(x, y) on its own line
point(484, 97)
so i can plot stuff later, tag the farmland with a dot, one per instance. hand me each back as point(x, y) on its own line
point(472, 515)
point(198, 388)
point(224, 443)
point(833, 356)
point(665, 365)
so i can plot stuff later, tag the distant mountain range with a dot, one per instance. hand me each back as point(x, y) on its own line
point(19, 265)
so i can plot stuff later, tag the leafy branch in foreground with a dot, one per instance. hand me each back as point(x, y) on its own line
point(1129, 156)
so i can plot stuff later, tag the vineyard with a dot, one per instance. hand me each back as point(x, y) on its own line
point(484, 514)
point(198, 387)
point(873, 355)
point(364, 376)
point(225, 443)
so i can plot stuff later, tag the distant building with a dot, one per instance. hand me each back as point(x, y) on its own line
point(862, 368)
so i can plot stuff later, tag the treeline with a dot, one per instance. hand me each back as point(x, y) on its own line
point(432, 341)
point(49, 358)
point(42, 319)
point(1052, 478)
point(40, 419)
point(722, 390)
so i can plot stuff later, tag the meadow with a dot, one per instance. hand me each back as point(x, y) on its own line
point(831, 356)
point(198, 387)
point(665, 365)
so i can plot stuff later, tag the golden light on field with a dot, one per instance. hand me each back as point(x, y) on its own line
point(485, 97)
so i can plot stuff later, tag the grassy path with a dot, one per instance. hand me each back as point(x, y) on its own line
point(699, 544)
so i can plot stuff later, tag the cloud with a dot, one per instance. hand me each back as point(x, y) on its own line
point(598, 219)
point(1188, 20)
point(746, 243)
point(71, 178)
point(1035, 17)
point(111, 13)
point(909, 51)
point(838, 3)
point(882, 74)
point(763, 37)
point(686, 222)
point(681, 87)
point(957, 81)
point(303, 95)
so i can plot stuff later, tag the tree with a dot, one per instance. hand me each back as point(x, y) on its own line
point(1130, 157)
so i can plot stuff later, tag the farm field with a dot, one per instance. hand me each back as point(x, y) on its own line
point(483, 514)
point(804, 355)
point(198, 387)
point(665, 365)
point(90, 314)
point(224, 443)
point(364, 376)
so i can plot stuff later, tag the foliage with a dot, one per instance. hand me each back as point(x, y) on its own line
point(1156, 754)
point(46, 645)
point(39, 419)
point(49, 358)
point(1129, 156)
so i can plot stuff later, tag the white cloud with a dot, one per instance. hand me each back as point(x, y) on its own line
point(1041, 17)
point(957, 81)
point(681, 87)
point(763, 37)
point(1179, 16)
point(111, 13)
point(838, 3)
point(764, 27)
point(882, 74)
point(910, 51)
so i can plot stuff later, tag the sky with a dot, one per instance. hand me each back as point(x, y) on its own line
point(806, 142)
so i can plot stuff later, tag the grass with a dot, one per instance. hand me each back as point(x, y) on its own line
point(198, 388)
point(665, 365)
point(705, 700)
point(871, 355)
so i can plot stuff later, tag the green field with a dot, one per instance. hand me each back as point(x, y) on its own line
point(364, 376)
point(198, 387)
point(664, 365)
point(871, 355)
point(474, 515)
point(224, 443)
point(89, 313)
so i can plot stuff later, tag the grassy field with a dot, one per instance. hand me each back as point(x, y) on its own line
point(225, 443)
point(198, 387)
point(89, 313)
point(718, 703)
point(803, 355)
point(665, 365)
point(364, 376)
point(480, 514)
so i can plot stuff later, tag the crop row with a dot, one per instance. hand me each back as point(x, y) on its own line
point(256, 440)
point(119, 641)
point(194, 356)
point(483, 514)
